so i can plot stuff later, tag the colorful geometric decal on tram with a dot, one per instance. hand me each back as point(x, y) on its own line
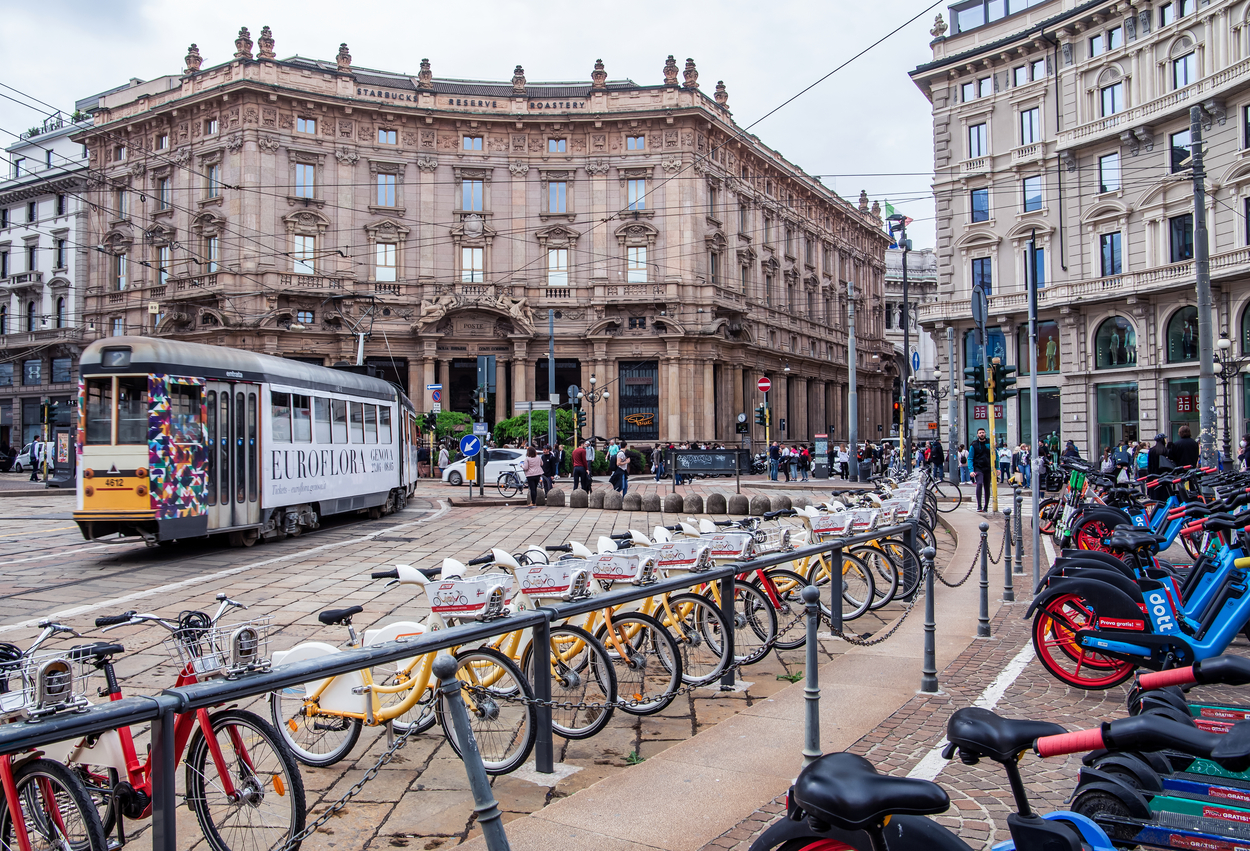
point(81, 431)
point(177, 460)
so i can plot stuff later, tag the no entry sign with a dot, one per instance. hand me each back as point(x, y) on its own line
point(764, 385)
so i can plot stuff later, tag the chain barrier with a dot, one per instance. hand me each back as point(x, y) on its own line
point(1002, 545)
point(877, 639)
point(975, 558)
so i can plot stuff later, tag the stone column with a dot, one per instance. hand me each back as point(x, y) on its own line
point(416, 387)
point(801, 430)
point(708, 414)
point(781, 399)
point(430, 366)
point(503, 409)
point(735, 390)
point(670, 399)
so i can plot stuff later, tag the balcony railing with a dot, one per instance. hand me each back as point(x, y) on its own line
point(980, 165)
point(313, 282)
point(24, 279)
point(1026, 153)
point(44, 335)
point(193, 285)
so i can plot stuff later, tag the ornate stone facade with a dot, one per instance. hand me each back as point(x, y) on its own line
point(314, 201)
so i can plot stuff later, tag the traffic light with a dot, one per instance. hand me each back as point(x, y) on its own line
point(781, 425)
point(761, 415)
point(894, 419)
point(919, 401)
point(47, 412)
point(1004, 382)
point(431, 421)
point(581, 419)
point(974, 380)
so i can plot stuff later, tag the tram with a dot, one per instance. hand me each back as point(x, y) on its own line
point(181, 440)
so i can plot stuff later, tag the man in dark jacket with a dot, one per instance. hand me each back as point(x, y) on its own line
point(981, 459)
point(938, 459)
point(1184, 450)
point(1157, 453)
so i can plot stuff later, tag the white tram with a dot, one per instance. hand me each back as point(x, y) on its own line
point(180, 440)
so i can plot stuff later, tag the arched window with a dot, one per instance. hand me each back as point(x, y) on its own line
point(60, 312)
point(1183, 335)
point(1115, 344)
point(1245, 331)
point(30, 317)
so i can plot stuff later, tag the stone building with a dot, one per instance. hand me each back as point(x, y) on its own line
point(298, 206)
point(921, 290)
point(1066, 126)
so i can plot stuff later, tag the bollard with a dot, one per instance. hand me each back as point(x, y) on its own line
point(1009, 592)
point(543, 747)
point(1019, 541)
point(983, 620)
point(164, 774)
point(928, 671)
point(835, 591)
point(811, 679)
point(484, 804)
point(727, 609)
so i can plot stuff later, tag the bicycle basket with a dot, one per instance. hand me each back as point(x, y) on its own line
point(832, 525)
point(480, 598)
point(692, 556)
point(771, 541)
point(864, 519)
point(51, 683)
point(221, 650)
point(896, 510)
point(731, 546)
point(568, 580)
point(637, 566)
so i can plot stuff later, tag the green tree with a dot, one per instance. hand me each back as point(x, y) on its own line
point(514, 429)
point(447, 422)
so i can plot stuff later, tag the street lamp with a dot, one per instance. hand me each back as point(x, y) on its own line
point(595, 395)
point(1227, 365)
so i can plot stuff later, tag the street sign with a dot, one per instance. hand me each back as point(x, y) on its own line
point(537, 406)
point(436, 407)
point(436, 396)
point(480, 429)
point(980, 307)
point(433, 387)
point(574, 391)
point(470, 445)
point(764, 384)
point(915, 361)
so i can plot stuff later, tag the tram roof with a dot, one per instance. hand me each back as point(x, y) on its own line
point(221, 363)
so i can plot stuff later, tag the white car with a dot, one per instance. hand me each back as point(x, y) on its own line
point(22, 463)
point(497, 461)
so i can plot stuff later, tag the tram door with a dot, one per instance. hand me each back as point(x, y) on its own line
point(232, 492)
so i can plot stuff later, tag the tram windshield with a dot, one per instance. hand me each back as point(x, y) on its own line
point(117, 410)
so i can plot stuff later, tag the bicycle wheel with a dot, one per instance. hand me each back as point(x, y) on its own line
point(56, 808)
point(508, 485)
point(907, 560)
point(421, 714)
point(316, 740)
point(699, 631)
point(1048, 513)
point(885, 578)
point(949, 496)
point(1055, 626)
point(647, 661)
point(858, 587)
point(581, 675)
point(790, 608)
point(267, 809)
point(503, 722)
point(755, 623)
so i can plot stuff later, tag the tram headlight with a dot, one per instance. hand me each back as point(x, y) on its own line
point(141, 490)
point(142, 472)
point(87, 473)
point(88, 490)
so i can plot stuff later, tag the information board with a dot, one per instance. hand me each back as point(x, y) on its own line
point(710, 462)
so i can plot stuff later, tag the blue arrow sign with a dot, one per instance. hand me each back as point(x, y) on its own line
point(915, 361)
point(470, 445)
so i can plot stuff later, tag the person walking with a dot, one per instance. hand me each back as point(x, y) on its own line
point(1024, 465)
point(1004, 462)
point(981, 465)
point(423, 461)
point(774, 460)
point(36, 457)
point(1244, 455)
point(657, 461)
point(844, 462)
point(559, 453)
point(964, 469)
point(443, 459)
point(549, 469)
point(805, 462)
point(937, 457)
point(622, 468)
point(580, 476)
point(532, 469)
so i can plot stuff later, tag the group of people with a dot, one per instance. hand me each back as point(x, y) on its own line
point(541, 469)
point(789, 461)
point(1130, 460)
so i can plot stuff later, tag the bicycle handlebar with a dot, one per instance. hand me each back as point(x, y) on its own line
point(1172, 677)
point(558, 548)
point(393, 573)
point(486, 559)
point(1066, 743)
point(114, 620)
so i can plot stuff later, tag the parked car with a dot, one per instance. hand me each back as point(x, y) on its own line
point(497, 460)
point(23, 460)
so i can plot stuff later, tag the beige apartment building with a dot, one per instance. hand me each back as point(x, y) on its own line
point(297, 206)
point(1066, 126)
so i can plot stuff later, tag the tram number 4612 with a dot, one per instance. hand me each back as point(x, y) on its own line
point(114, 483)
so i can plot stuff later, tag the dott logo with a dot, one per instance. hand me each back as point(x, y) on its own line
point(1160, 612)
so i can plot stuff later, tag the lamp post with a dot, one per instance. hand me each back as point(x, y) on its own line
point(596, 394)
point(1228, 364)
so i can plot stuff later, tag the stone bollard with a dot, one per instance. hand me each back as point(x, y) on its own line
point(651, 502)
point(716, 503)
point(1009, 593)
point(760, 504)
point(611, 500)
point(800, 502)
point(631, 502)
point(540, 497)
point(555, 498)
point(928, 670)
point(811, 681)
point(739, 505)
point(692, 504)
point(578, 498)
point(779, 502)
point(983, 620)
point(595, 499)
point(673, 503)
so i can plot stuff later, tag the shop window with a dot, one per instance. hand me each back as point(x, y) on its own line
point(1182, 336)
point(1115, 344)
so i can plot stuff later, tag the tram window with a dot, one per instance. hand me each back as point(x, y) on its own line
point(210, 466)
point(280, 413)
point(321, 420)
point(132, 409)
point(184, 413)
point(99, 411)
point(384, 425)
point(339, 407)
point(301, 413)
point(225, 447)
point(371, 423)
point(252, 484)
point(358, 423)
point(240, 449)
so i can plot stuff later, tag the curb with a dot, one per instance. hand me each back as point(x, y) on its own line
point(39, 492)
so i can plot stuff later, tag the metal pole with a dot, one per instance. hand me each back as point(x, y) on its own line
point(835, 590)
point(952, 411)
point(905, 436)
point(983, 619)
point(164, 773)
point(811, 679)
point(852, 394)
point(1019, 566)
point(1202, 269)
point(529, 425)
point(928, 673)
point(360, 348)
point(1009, 592)
point(541, 680)
point(727, 609)
point(1035, 439)
point(488, 815)
point(551, 376)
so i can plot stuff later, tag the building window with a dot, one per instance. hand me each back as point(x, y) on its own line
point(1109, 173)
point(967, 91)
point(1037, 69)
point(119, 326)
point(1179, 146)
point(304, 317)
point(982, 275)
point(471, 195)
point(121, 202)
point(85, 153)
point(1117, 413)
point(1030, 126)
point(1245, 140)
point(768, 230)
point(31, 211)
point(789, 242)
point(47, 159)
point(557, 267)
point(162, 193)
point(635, 143)
point(1183, 335)
point(985, 87)
point(636, 264)
point(386, 190)
point(60, 254)
point(636, 194)
point(889, 316)
point(980, 205)
point(711, 202)
point(17, 166)
point(4, 264)
point(162, 265)
point(1181, 238)
point(211, 247)
point(1032, 193)
point(557, 196)
point(1097, 45)
point(119, 272)
point(809, 256)
point(1038, 271)
point(306, 125)
point(1167, 14)
point(388, 137)
point(30, 317)
point(1184, 70)
point(1020, 75)
point(60, 205)
point(1115, 343)
point(304, 255)
point(62, 370)
point(743, 219)
point(556, 146)
point(768, 290)
point(745, 276)
point(305, 180)
point(471, 143)
point(4, 213)
point(1245, 211)
point(162, 141)
point(1115, 38)
point(713, 267)
point(1112, 99)
point(32, 372)
point(978, 141)
point(210, 126)
point(32, 256)
point(471, 265)
point(385, 268)
point(1109, 250)
point(119, 153)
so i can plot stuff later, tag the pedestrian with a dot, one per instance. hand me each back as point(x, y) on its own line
point(622, 468)
point(612, 450)
point(1024, 465)
point(937, 457)
point(657, 461)
point(443, 460)
point(1141, 460)
point(1070, 451)
point(581, 477)
point(1244, 455)
point(843, 460)
point(1004, 462)
point(805, 462)
point(964, 469)
point(423, 461)
point(559, 453)
point(36, 455)
point(981, 465)
point(1157, 460)
point(532, 469)
point(1184, 450)
point(1123, 457)
point(774, 460)
point(549, 469)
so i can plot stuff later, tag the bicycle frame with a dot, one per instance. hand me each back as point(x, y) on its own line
point(9, 787)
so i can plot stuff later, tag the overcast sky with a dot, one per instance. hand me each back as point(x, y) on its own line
point(867, 119)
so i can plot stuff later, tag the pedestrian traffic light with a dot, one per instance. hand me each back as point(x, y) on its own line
point(1004, 382)
point(919, 401)
point(974, 380)
point(781, 425)
point(761, 415)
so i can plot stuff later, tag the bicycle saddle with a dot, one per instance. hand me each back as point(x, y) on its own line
point(1131, 538)
point(781, 512)
point(844, 790)
point(980, 733)
point(339, 616)
point(100, 650)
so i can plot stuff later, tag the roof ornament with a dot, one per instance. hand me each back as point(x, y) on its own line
point(876, 209)
point(243, 44)
point(670, 71)
point(265, 42)
point(194, 60)
point(518, 81)
point(425, 77)
point(722, 96)
point(939, 27)
point(599, 76)
point(344, 59)
point(863, 201)
point(691, 75)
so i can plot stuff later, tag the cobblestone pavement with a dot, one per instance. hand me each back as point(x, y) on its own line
point(421, 800)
